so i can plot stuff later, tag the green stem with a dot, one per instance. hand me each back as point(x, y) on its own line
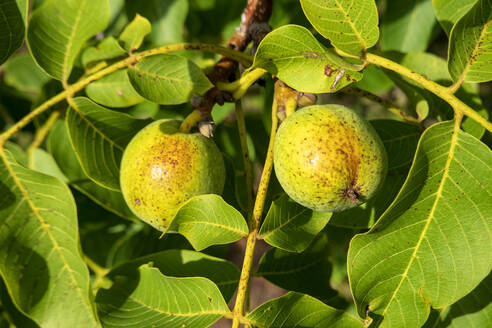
point(131, 60)
point(190, 121)
point(241, 126)
point(255, 224)
point(239, 87)
point(440, 91)
point(388, 105)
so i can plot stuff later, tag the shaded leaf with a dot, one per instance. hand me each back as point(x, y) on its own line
point(134, 33)
point(351, 26)
point(294, 55)
point(158, 300)
point(109, 48)
point(400, 141)
point(59, 146)
point(39, 247)
point(448, 12)
point(22, 73)
point(114, 90)
point(168, 79)
point(207, 220)
point(290, 226)
point(99, 136)
point(374, 81)
point(470, 45)
point(473, 310)
point(299, 310)
point(408, 26)
point(12, 28)
point(187, 263)
point(58, 29)
point(432, 245)
point(43, 162)
point(308, 272)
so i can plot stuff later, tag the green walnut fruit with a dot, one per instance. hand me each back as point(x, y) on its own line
point(328, 158)
point(162, 168)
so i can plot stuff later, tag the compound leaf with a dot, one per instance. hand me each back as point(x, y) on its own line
point(58, 29)
point(114, 90)
point(99, 136)
point(160, 301)
point(351, 26)
point(299, 310)
point(470, 45)
point(294, 55)
point(168, 79)
point(187, 263)
point(207, 220)
point(41, 261)
point(290, 226)
point(432, 245)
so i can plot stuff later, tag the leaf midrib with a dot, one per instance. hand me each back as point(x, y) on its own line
point(266, 235)
point(70, 39)
point(45, 226)
point(439, 191)
point(356, 32)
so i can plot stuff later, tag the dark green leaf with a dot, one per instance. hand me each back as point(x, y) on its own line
point(351, 26)
point(114, 90)
point(41, 260)
point(408, 26)
point(290, 226)
point(299, 310)
point(133, 35)
point(187, 263)
point(11, 28)
point(308, 272)
point(431, 246)
point(158, 300)
point(470, 45)
point(99, 136)
point(168, 79)
point(207, 220)
point(58, 29)
point(294, 55)
point(449, 11)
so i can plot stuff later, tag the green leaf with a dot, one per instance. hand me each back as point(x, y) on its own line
point(298, 310)
point(473, 310)
point(58, 29)
point(290, 226)
point(167, 18)
point(168, 79)
point(158, 300)
point(308, 272)
point(22, 73)
point(11, 29)
point(99, 136)
point(187, 263)
point(43, 162)
point(400, 140)
point(294, 55)
point(109, 48)
point(408, 26)
point(134, 33)
point(449, 11)
point(10, 311)
point(432, 245)
point(207, 220)
point(41, 260)
point(114, 90)
point(351, 26)
point(374, 81)
point(470, 45)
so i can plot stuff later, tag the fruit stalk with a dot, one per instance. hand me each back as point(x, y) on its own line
point(255, 224)
point(444, 93)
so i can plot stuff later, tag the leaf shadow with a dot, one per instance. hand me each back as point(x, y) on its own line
point(8, 198)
